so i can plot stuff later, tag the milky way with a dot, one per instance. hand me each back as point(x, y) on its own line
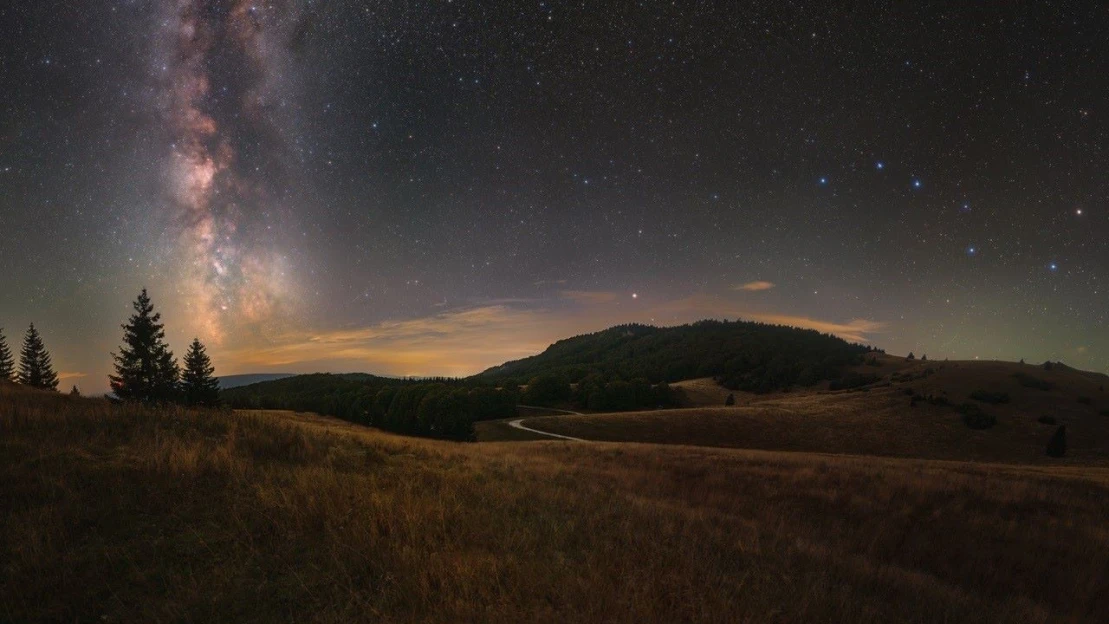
point(226, 165)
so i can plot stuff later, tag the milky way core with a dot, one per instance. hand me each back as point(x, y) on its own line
point(221, 86)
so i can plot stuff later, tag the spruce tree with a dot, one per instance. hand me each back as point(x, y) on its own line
point(35, 368)
point(145, 368)
point(198, 385)
point(7, 362)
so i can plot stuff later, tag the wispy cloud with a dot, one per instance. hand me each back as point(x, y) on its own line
point(857, 330)
point(755, 286)
point(464, 341)
point(63, 376)
point(457, 342)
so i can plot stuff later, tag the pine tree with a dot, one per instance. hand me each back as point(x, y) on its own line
point(7, 362)
point(198, 385)
point(35, 368)
point(74, 392)
point(145, 367)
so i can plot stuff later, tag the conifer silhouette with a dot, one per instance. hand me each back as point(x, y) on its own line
point(7, 362)
point(198, 385)
point(35, 368)
point(145, 368)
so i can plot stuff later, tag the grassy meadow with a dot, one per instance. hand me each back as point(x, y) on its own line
point(883, 419)
point(125, 514)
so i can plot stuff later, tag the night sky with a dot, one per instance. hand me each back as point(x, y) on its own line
point(436, 187)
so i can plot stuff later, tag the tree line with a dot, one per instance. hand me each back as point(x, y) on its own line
point(145, 369)
point(441, 407)
point(596, 394)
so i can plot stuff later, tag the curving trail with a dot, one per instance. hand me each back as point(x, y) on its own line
point(519, 423)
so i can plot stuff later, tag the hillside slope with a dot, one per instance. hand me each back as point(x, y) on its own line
point(910, 409)
point(119, 514)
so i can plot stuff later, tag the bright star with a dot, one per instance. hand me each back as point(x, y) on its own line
point(1078, 212)
point(823, 180)
point(916, 183)
point(635, 295)
point(1053, 266)
point(880, 165)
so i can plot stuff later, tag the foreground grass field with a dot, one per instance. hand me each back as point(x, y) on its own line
point(122, 514)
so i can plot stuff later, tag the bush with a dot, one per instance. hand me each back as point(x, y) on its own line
point(975, 418)
point(1046, 420)
point(730, 401)
point(1057, 445)
point(993, 398)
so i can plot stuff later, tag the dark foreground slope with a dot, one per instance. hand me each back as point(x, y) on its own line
point(127, 515)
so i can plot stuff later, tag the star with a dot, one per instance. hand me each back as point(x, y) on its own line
point(880, 165)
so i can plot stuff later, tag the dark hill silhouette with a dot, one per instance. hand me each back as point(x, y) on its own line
point(741, 355)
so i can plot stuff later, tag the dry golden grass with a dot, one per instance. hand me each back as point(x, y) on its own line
point(130, 515)
point(880, 421)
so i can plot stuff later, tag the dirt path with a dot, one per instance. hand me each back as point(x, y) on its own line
point(519, 423)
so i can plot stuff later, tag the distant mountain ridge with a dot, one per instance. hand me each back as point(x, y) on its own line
point(235, 381)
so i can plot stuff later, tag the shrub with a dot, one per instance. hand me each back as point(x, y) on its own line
point(1057, 445)
point(1046, 420)
point(730, 401)
point(993, 398)
point(975, 418)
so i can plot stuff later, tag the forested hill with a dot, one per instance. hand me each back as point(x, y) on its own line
point(742, 355)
